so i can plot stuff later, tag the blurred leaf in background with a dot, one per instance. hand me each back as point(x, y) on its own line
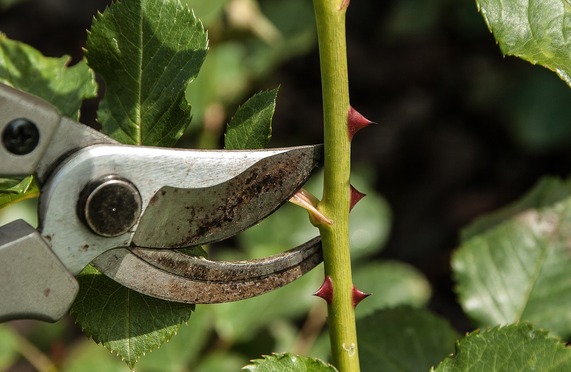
point(391, 283)
point(403, 339)
point(513, 265)
point(239, 57)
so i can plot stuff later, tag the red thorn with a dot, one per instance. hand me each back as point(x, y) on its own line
point(356, 195)
point(344, 4)
point(358, 296)
point(356, 122)
point(326, 290)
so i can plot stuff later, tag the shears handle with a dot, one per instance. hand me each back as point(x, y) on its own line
point(35, 284)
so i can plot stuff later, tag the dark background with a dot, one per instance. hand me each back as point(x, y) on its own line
point(462, 130)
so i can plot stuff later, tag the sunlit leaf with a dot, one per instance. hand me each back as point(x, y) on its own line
point(517, 347)
point(126, 322)
point(251, 125)
point(52, 79)
point(535, 30)
point(147, 52)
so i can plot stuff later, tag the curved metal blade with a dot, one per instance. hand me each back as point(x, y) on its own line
point(189, 197)
point(178, 217)
point(174, 276)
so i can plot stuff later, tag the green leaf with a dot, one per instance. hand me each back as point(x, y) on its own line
point(403, 339)
point(65, 87)
point(12, 191)
point(251, 126)
point(390, 283)
point(126, 322)
point(288, 363)
point(519, 269)
point(147, 52)
point(535, 30)
point(517, 347)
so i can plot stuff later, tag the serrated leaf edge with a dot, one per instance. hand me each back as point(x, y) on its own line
point(538, 332)
point(256, 362)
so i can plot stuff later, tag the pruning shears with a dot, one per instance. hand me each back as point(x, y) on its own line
point(126, 209)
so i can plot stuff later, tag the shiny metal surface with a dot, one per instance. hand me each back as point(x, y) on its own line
point(58, 136)
point(176, 217)
point(151, 171)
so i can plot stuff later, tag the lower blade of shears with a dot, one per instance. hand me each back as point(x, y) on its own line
point(177, 217)
point(175, 276)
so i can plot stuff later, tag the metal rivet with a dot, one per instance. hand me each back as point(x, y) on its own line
point(21, 136)
point(110, 206)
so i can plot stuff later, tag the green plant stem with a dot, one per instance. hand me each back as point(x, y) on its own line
point(330, 19)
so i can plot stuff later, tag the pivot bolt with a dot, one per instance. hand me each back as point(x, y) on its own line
point(110, 206)
point(20, 136)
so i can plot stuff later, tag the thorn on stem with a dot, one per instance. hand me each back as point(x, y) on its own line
point(326, 290)
point(356, 122)
point(344, 5)
point(358, 296)
point(356, 195)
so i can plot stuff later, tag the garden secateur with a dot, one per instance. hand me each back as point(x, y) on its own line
point(126, 209)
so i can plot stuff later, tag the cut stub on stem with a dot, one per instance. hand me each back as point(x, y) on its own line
point(308, 201)
point(356, 122)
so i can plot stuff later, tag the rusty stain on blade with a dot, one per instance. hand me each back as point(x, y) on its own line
point(174, 276)
point(177, 217)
